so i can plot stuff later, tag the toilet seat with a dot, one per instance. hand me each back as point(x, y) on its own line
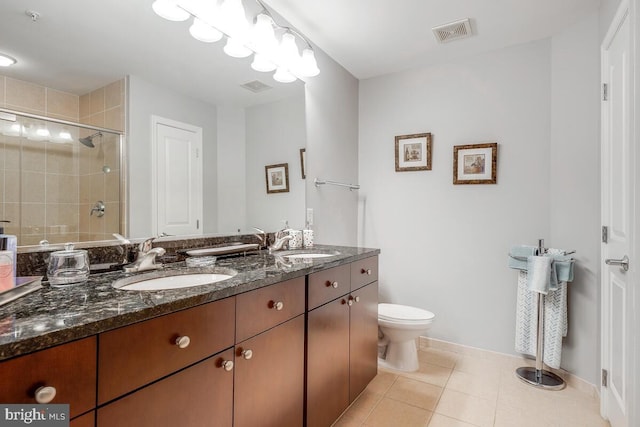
point(403, 314)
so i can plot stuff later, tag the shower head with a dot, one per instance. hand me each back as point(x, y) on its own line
point(88, 140)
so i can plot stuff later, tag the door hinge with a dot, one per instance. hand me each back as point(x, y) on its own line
point(197, 224)
point(605, 92)
point(605, 374)
point(605, 234)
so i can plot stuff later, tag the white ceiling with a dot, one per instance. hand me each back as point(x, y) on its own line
point(376, 37)
point(79, 45)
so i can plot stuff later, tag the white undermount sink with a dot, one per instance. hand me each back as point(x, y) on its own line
point(176, 281)
point(308, 254)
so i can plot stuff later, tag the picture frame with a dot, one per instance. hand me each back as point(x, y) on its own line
point(413, 152)
point(277, 178)
point(303, 162)
point(475, 163)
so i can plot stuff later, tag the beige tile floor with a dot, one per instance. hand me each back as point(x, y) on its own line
point(454, 389)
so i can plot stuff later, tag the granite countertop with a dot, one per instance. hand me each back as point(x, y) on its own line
point(52, 316)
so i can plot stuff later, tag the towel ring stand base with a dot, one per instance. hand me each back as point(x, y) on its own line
point(538, 376)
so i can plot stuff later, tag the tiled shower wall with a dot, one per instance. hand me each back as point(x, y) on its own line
point(42, 182)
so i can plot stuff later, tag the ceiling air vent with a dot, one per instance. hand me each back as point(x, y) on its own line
point(256, 86)
point(453, 31)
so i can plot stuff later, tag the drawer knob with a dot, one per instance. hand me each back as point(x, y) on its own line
point(227, 365)
point(278, 305)
point(366, 271)
point(247, 354)
point(357, 299)
point(45, 394)
point(183, 341)
point(334, 284)
point(350, 302)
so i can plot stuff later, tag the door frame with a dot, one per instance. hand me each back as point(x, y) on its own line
point(156, 120)
point(629, 9)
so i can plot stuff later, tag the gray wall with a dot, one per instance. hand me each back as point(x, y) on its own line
point(144, 100)
point(444, 246)
point(331, 103)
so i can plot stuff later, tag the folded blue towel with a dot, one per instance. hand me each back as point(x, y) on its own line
point(564, 267)
point(518, 256)
point(540, 269)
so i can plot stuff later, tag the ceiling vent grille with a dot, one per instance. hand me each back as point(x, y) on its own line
point(453, 31)
point(256, 86)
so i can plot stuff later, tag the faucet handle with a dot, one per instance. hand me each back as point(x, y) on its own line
point(145, 246)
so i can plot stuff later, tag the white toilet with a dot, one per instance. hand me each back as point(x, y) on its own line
point(401, 325)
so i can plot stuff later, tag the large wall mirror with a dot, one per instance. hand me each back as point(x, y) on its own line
point(115, 66)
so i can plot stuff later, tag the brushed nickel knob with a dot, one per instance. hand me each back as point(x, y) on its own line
point(367, 271)
point(350, 302)
point(357, 299)
point(278, 305)
point(45, 394)
point(247, 354)
point(227, 365)
point(183, 341)
point(334, 284)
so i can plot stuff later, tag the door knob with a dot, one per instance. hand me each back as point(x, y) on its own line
point(624, 262)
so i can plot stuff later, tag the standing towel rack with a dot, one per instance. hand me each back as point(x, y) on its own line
point(538, 376)
point(318, 182)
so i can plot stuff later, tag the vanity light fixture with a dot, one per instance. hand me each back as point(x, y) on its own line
point(6, 60)
point(260, 38)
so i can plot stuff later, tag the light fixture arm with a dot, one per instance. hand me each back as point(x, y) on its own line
point(281, 27)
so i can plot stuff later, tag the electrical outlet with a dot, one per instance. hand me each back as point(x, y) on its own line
point(309, 217)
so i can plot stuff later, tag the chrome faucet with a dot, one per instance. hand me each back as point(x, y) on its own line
point(146, 258)
point(262, 237)
point(282, 239)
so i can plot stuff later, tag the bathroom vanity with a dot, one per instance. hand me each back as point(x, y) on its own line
point(282, 343)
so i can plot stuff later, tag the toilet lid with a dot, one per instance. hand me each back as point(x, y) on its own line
point(403, 312)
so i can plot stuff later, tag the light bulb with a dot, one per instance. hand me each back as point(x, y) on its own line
point(261, 63)
point(64, 135)
point(288, 56)
point(283, 76)
point(236, 49)
point(204, 32)
point(169, 9)
point(308, 65)
point(6, 61)
point(233, 20)
point(43, 132)
point(263, 37)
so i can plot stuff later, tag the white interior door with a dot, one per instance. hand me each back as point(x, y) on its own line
point(618, 216)
point(178, 177)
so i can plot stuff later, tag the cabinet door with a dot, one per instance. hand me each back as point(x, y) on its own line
point(69, 368)
point(86, 420)
point(363, 338)
point(327, 363)
point(199, 396)
point(269, 378)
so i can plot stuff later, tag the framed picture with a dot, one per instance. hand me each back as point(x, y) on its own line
point(277, 178)
point(413, 152)
point(303, 162)
point(475, 164)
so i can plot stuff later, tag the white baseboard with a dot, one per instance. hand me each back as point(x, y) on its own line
point(572, 380)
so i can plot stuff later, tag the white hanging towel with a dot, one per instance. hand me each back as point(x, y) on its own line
point(555, 324)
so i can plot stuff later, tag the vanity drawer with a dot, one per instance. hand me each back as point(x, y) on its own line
point(264, 308)
point(363, 272)
point(327, 285)
point(69, 368)
point(135, 355)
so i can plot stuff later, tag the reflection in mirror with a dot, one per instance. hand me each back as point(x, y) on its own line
point(68, 67)
point(62, 179)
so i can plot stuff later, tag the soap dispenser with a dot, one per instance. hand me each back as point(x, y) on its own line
point(8, 259)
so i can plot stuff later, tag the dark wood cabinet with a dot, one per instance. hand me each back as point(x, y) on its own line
point(135, 355)
point(69, 369)
point(269, 377)
point(327, 388)
point(342, 344)
point(198, 396)
point(363, 343)
point(86, 420)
